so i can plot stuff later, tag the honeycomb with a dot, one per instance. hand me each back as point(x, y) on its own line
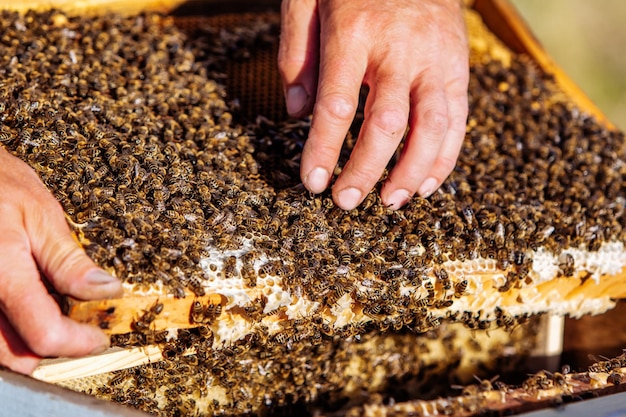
point(332, 374)
point(128, 122)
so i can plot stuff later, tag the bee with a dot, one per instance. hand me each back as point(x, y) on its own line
point(159, 337)
point(128, 339)
point(211, 312)
point(230, 265)
point(353, 330)
point(172, 394)
point(205, 332)
point(186, 407)
point(141, 325)
point(178, 291)
point(521, 225)
point(283, 337)
point(603, 364)
point(539, 381)
point(565, 369)
point(566, 265)
point(6, 135)
point(503, 260)
point(414, 278)
point(468, 214)
point(470, 320)
point(559, 380)
point(430, 288)
point(345, 258)
point(460, 287)
point(443, 303)
point(519, 257)
point(327, 329)
point(373, 310)
point(174, 216)
point(523, 271)
point(511, 279)
point(421, 303)
point(443, 278)
point(156, 308)
point(484, 325)
point(337, 290)
point(119, 378)
point(195, 285)
point(487, 219)
point(500, 235)
point(77, 198)
point(503, 319)
point(266, 269)
point(486, 385)
point(433, 322)
point(248, 273)
point(196, 315)
point(614, 378)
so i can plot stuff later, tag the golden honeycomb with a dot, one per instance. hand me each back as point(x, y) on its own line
point(127, 121)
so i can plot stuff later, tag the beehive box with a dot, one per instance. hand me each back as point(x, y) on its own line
point(460, 267)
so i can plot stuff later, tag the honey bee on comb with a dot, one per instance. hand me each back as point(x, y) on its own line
point(137, 138)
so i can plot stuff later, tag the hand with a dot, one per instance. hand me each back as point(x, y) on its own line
point(414, 57)
point(36, 241)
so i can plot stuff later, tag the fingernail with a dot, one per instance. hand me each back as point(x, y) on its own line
point(296, 99)
point(107, 285)
point(99, 277)
point(398, 198)
point(349, 198)
point(428, 187)
point(317, 180)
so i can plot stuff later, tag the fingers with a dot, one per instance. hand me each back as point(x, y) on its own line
point(429, 119)
point(35, 239)
point(13, 352)
point(340, 77)
point(33, 314)
point(451, 146)
point(61, 260)
point(298, 54)
point(425, 83)
point(386, 115)
point(438, 122)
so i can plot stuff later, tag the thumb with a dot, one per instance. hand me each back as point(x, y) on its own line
point(298, 55)
point(62, 261)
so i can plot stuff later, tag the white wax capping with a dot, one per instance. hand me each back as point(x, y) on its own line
point(608, 260)
point(342, 310)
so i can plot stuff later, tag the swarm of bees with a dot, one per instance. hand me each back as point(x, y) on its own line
point(196, 373)
point(491, 397)
point(125, 122)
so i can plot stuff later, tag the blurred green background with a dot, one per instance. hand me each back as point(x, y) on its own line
point(588, 40)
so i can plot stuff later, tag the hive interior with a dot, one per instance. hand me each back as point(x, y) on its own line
point(538, 391)
point(127, 121)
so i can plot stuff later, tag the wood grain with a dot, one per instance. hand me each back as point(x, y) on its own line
point(64, 369)
point(116, 316)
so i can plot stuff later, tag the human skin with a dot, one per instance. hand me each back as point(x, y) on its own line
point(36, 242)
point(413, 55)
